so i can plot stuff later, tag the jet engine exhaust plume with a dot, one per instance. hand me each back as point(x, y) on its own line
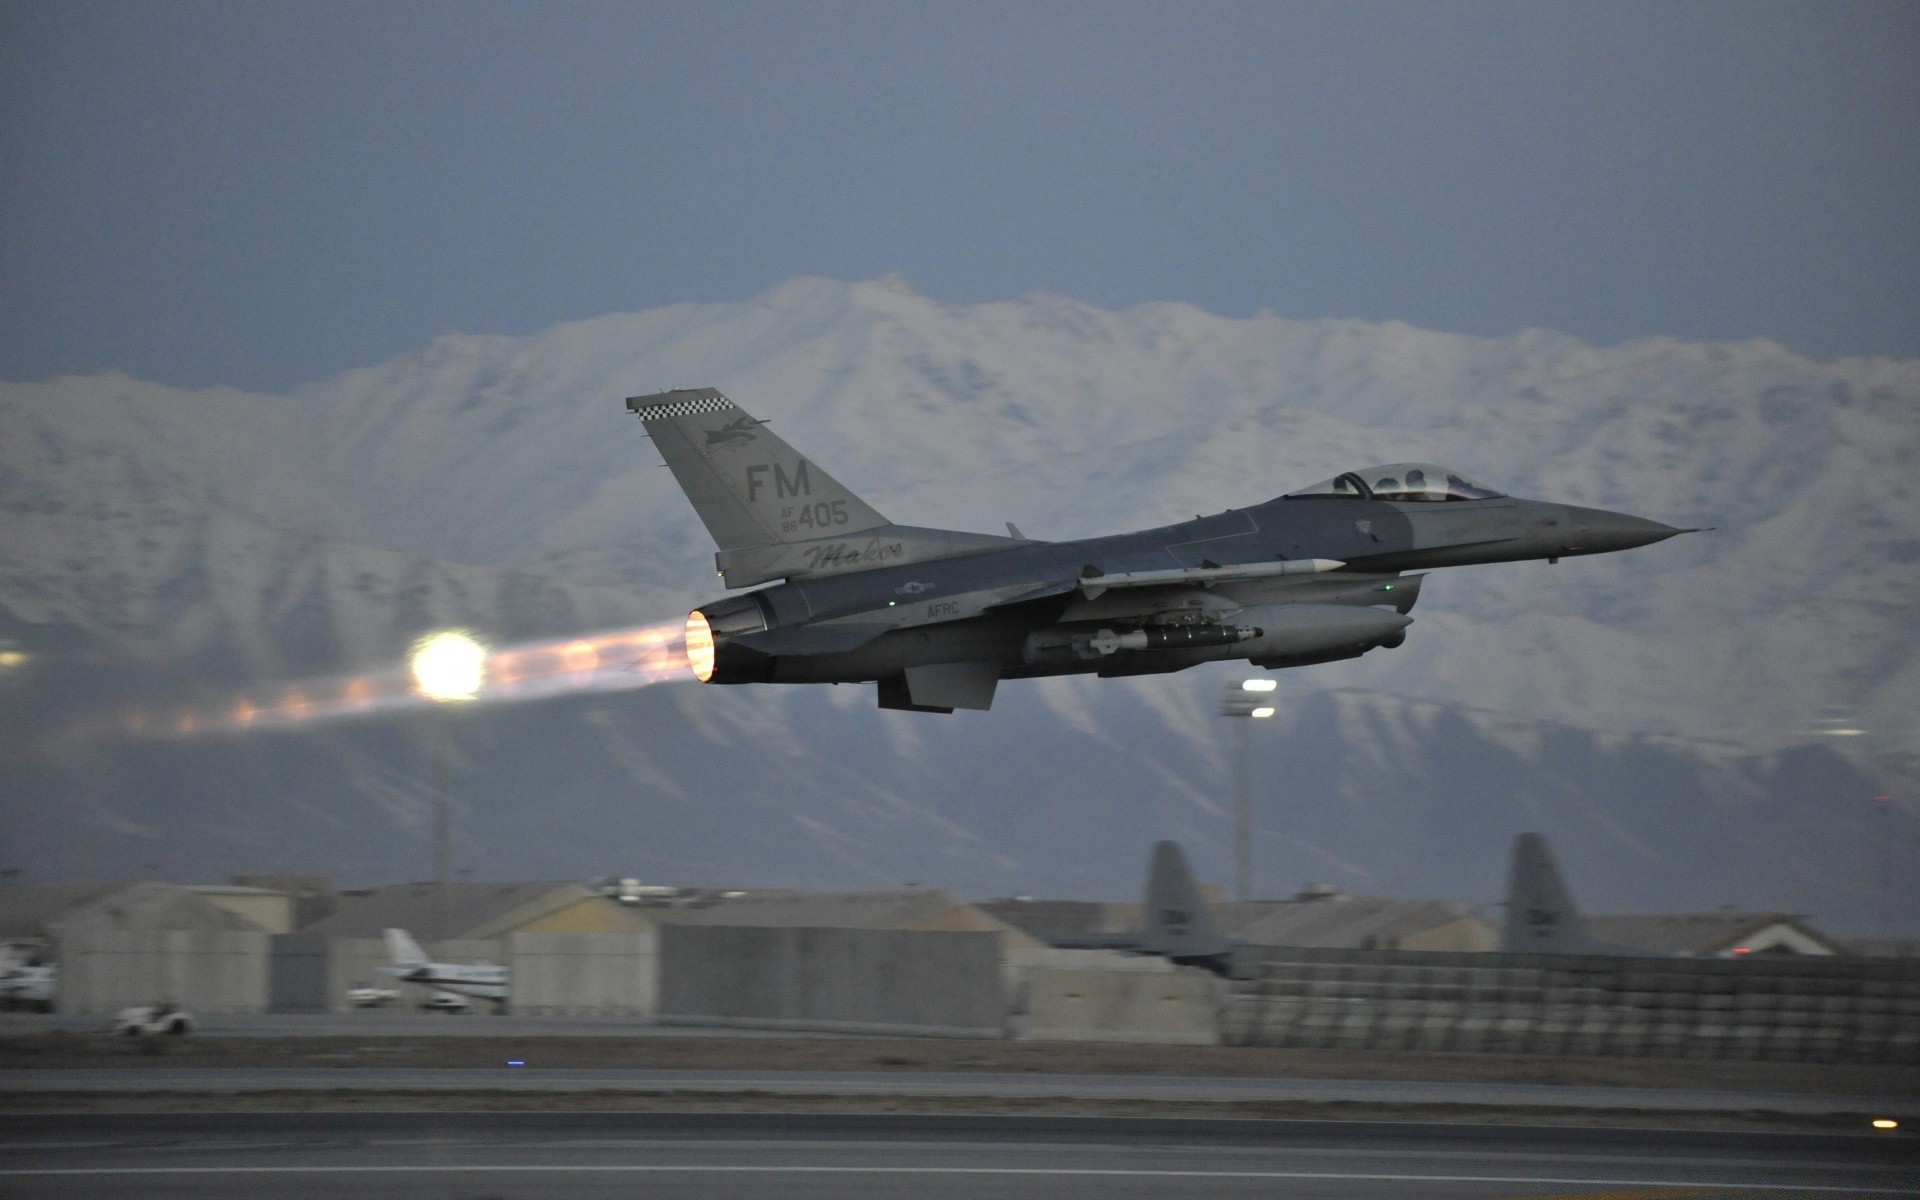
point(614, 660)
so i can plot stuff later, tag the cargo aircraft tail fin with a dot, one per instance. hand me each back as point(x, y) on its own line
point(774, 513)
point(1541, 915)
point(1177, 922)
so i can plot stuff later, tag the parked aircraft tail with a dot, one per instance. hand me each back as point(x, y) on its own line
point(404, 951)
point(773, 513)
point(1541, 916)
point(1176, 920)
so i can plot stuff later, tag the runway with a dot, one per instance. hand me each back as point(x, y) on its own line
point(584, 1155)
point(1189, 1089)
point(397, 1022)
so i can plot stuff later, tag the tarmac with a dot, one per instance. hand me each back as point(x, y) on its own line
point(1175, 1089)
point(586, 1156)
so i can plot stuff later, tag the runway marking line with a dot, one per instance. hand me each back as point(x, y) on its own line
point(1679, 1187)
point(1682, 1193)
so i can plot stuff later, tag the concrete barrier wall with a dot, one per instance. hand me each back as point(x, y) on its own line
point(202, 971)
point(583, 974)
point(853, 980)
point(297, 973)
point(1795, 1009)
point(1174, 1006)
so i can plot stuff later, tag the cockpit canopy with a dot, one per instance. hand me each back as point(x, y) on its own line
point(1400, 481)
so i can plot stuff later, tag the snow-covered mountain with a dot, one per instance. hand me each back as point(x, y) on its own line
point(163, 540)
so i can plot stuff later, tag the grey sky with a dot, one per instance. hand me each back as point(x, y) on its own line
point(263, 194)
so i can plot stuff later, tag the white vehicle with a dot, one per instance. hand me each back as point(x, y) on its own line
point(479, 981)
point(367, 995)
point(144, 1019)
point(31, 988)
point(446, 1002)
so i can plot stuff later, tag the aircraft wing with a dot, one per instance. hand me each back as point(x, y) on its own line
point(1206, 576)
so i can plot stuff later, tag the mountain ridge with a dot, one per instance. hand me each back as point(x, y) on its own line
point(164, 541)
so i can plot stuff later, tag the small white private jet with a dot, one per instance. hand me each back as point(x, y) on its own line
point(480, 981)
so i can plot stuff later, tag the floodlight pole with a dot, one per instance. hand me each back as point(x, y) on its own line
point(447, 667)
point(1242, 818)
point(1883, 804)
point(442, 814)
point(442, 788)
point(1244, 701)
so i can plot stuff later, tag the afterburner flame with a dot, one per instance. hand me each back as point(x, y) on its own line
point(612, 661)
point(699, 642)
point(449, 665)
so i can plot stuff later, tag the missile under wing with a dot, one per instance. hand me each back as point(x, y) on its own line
point(936, 618)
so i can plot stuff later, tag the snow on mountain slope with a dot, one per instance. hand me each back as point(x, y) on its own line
point(515, 453)
point(1648, 710)
point(144, 549)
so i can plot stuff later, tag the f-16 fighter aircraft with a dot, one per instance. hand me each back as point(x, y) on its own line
point(938, 617)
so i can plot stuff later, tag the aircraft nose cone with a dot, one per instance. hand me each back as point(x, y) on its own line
point(1597, 531)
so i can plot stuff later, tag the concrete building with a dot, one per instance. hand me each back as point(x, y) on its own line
point(927, 983)
point(926, 910)
point(145, 942)
point(1317, 917)
point(568, 950)
point(270, 909)
point(1104, 996)
point(28, 910)
point(477, 911)
point(1884, 947)
point(1337, 921)
point(1053, 921)
point(1727, 933)
point(313, 895)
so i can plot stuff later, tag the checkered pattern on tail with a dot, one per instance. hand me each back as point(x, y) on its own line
point(705, 400)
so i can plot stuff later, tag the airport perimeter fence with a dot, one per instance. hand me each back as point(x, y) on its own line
point(1769, 1008)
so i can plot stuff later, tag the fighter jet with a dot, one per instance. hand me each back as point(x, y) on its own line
point(937, 617)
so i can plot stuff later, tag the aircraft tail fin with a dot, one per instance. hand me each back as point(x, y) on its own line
point(1178, 922)
point(403, 950)
point(749, 487)
point(1541, 915)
